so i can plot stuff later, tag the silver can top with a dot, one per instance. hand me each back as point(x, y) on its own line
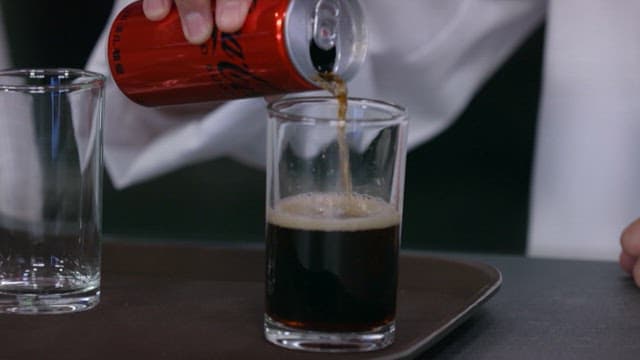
point(325, 36)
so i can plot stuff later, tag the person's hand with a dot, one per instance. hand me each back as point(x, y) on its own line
point(197, 22)
point(630, 255)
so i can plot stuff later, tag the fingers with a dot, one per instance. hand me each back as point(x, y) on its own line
point(156, 9)
point(196, 17)
point(197, 21)
point(629, 258)
point(630, 239)
point(627, 262)
point(636, 273)
point(230, 14)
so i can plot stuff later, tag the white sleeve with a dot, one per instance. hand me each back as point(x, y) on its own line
point(586, 170)
point(432, 55)
point(428, 55)
point(142, 142)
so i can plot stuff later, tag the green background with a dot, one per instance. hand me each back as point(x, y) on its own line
point(468, 189)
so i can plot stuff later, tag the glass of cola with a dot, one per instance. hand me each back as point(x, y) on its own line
point(333, 222)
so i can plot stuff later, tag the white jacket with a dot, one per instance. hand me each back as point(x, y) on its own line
point(431, 56)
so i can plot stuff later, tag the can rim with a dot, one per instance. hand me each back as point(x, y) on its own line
point(81, 79)
point(278, 108)
point(352, 44)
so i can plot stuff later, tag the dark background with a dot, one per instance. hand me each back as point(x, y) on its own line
point(468, 189)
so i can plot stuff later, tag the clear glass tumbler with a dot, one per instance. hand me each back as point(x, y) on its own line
point(333, 227)
point(50, 190)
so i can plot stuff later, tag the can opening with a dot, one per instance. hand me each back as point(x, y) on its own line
point(325, 36)
point(323, 60)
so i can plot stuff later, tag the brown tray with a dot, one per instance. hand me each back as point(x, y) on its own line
point(194, 302)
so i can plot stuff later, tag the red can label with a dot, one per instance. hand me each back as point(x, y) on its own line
point(153, 64)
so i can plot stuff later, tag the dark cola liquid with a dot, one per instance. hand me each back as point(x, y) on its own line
point(337, 87)
point(334, 276)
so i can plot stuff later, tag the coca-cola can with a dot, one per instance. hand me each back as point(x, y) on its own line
point(281, 48)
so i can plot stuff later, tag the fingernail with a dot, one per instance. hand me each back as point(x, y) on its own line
point(230, 14)
point(231, 6)
point(155, 9)
point(196, 28)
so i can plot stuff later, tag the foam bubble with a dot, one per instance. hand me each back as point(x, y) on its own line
point(333, 212)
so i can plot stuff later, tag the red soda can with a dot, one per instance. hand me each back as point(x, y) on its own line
point(281, 48)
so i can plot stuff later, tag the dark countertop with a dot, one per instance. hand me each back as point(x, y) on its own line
point(551, 309)
point(545, 309)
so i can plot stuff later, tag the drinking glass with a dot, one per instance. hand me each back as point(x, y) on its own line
point(50, 190)
point(333, 223)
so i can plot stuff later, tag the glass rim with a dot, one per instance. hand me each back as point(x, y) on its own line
point(89, 80)
point(278, 108)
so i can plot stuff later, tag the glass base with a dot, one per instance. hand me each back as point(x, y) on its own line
point(296, 339)
point(59, 303)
